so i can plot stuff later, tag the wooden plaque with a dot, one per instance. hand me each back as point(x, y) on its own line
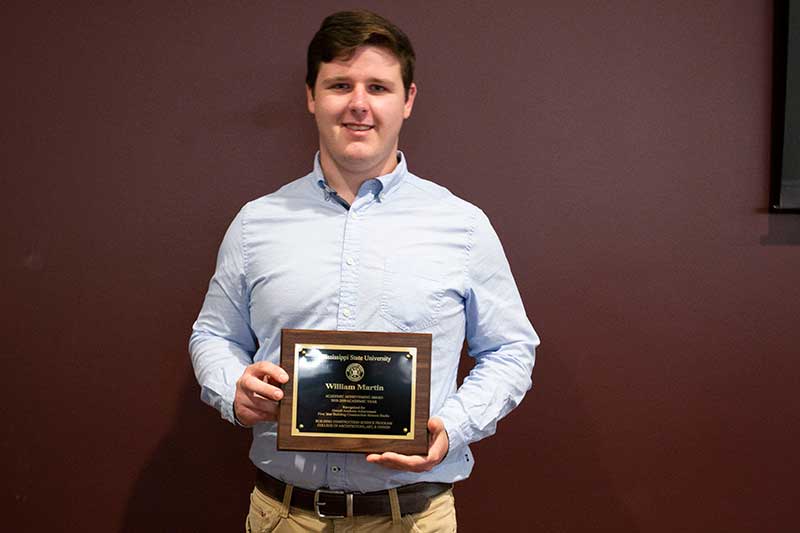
point(355, 391)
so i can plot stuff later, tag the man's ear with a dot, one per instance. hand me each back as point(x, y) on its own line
point(412, 93)
point(310, 99)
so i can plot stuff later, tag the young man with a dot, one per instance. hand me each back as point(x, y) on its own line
point(362, 244)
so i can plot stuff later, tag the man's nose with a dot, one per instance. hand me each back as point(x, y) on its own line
point(358, 101)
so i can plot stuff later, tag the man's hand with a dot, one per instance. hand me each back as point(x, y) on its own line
point(256, 400)
point(439, 444)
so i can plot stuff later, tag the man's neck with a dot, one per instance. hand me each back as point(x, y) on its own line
point(347, 181)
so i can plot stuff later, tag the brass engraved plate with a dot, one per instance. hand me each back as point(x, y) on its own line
point(355, 391)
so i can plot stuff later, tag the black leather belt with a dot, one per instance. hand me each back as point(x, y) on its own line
point(337, 504)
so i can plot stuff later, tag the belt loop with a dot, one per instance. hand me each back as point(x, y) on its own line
point(287, 501)
point(394, 503)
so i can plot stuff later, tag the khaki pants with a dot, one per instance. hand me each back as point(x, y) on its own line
point(267, 514)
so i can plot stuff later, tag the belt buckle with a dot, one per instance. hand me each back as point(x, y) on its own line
point(348, 500)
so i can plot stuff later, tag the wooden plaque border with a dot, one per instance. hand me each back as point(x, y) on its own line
point(417, 446)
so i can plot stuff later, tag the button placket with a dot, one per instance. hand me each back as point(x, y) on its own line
point(348, 290)
point(348, 312)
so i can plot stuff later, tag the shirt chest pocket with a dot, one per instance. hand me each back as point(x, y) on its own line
point(412, 292)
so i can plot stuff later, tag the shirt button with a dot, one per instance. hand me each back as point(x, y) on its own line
point(350, 261)
point(335, 468)
point(346, 312)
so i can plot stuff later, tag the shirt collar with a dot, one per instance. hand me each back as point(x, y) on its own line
point(385, 183)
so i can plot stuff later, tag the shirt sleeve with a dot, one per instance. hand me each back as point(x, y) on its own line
point(222, 342)
point(500, 338)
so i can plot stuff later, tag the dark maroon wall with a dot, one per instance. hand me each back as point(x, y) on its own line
point(621, 149)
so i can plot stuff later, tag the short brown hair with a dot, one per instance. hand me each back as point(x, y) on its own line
point(341, 33)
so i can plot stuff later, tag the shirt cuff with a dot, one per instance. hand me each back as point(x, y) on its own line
point(221, 402)
point(455, 434)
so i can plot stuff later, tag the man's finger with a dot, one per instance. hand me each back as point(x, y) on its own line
point(271, 371)
point(439, 445)
point(260, 404)
point(255, 386)
point(396, 461)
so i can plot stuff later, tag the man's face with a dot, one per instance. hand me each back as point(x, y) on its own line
point(359, 105)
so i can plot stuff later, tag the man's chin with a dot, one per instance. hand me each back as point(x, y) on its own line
point(362, 158)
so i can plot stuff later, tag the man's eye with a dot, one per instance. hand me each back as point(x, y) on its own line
point(340, 86)
point(377, 88)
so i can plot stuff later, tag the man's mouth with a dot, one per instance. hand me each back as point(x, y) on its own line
point(358, 127)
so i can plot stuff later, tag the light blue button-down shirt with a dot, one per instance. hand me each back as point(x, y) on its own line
point(406, 256)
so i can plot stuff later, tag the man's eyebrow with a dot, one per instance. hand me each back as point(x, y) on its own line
point(381, 81)
point(335, 79)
